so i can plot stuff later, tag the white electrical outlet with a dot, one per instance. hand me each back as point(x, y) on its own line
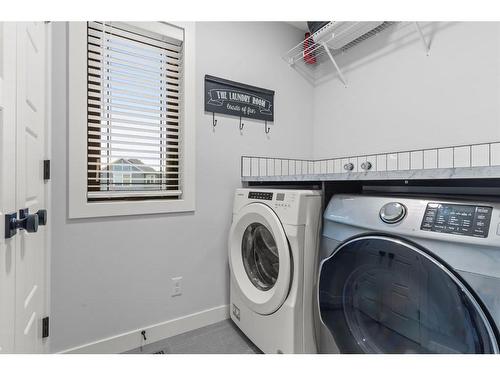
point(176, 286)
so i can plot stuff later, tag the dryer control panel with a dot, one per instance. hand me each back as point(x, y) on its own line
point(458, 219)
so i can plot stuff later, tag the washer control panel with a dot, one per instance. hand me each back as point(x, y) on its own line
point(458, 219)
point(260, 195)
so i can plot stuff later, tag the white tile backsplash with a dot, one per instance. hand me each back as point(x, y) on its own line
point(323, 166)
point(462, 157)
point(278, 167)
point(254, 167)
point(286, 167)
point(445, 158)
point(392, 162)
point(381, 162)
point(270, 167)
point(337, 166)
point(245, 168)
point(330, 166)
point(300, 167)
point(404, 161)
point(417, 160)
point(303, 167)
point(262, 167)
point(317, 167)
point(430, 159)
point(310, 167)
point(481, 156)
point(495, 154)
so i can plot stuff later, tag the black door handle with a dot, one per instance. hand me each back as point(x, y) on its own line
point(28, 222)
point(42, 217)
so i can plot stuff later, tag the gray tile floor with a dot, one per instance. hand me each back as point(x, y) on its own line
point(219, 338)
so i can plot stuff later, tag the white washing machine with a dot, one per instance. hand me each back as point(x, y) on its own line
point(273, 245)
point(409, 275)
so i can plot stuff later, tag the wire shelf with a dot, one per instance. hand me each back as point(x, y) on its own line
point(471, 156)
point(308, 57)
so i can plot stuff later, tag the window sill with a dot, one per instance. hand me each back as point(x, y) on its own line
point(126, 208)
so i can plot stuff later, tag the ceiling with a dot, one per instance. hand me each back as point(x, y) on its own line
point(301, 25)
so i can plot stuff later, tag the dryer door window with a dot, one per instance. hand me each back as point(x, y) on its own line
point(383, 295)
point(260, 256)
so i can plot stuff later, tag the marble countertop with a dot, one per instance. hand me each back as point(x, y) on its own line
point(416, 174)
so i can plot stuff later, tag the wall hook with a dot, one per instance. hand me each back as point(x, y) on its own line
point(241, 125)
point(214, 121)
point(266, 128)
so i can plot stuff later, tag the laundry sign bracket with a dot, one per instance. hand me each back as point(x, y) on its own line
point(238, 99)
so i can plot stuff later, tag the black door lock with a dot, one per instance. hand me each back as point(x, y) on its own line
point(28, 222)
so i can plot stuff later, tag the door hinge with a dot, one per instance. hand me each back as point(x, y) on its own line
point(46, 170)
point(45, 327)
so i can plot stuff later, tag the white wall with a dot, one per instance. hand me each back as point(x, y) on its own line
point(398, 98)
point(113, 275)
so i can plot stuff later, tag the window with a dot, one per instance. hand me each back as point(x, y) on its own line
point(134, 105)
point(138, 137)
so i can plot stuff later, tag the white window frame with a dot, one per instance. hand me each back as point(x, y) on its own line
point(79, 207)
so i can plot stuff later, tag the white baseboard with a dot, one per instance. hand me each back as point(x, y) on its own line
point(133, 339)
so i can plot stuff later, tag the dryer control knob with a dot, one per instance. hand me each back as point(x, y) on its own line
point(392, 213)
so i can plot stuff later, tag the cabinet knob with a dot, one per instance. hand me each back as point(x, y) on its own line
point(349, 166)
point(366, 165)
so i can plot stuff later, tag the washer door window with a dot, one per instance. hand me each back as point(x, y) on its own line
point(382, 295)
point(259, 258)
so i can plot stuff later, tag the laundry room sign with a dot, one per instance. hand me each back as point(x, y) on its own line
point(238, 99)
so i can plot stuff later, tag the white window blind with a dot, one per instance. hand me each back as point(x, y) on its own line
point(134, 113)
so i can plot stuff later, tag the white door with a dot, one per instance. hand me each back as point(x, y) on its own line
point(26, 141)
point(7, 183)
